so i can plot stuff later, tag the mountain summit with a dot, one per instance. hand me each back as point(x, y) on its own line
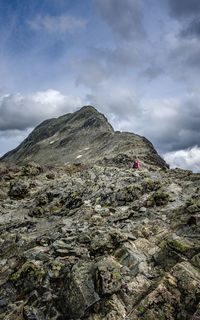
point(83, 136)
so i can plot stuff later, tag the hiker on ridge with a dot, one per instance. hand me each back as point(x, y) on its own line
point(136, 164)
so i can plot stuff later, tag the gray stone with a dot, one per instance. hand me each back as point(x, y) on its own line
point(79, 293)
point(108, 276)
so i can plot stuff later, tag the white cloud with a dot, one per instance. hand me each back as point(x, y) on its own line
point(57, 24)
point(19, 111)
point(188, 159)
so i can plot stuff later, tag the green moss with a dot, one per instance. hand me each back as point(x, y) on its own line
point(103, 268)
point(160, 198)
point(58, 270)
point(157, 199)
point(97, 220)
point(183, 247)
point(141, 309)
point(148, 316)
point(162, 245)
point(101, 243)
point(85, 238)
point(30, 271)
point(167, 258)
point(162, 315)
point(108, 277)
point(116, 275)
point(55, 206)
point(193, 209)
point(151, 185)
point(37, 211)
point(117, 237)
point(133, 188)
point(196, 260)
point(3, 316)
point(73, 201)
point(177, 245)
point(121, 253)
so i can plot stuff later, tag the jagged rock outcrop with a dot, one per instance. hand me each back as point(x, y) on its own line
point(84, 136)
point(100, 244)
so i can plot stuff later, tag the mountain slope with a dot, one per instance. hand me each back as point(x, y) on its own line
point(83, 136)
point(99, 243)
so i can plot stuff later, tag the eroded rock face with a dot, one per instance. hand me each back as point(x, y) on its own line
point(99, 243)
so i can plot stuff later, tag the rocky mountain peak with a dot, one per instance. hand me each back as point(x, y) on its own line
point(83, 136)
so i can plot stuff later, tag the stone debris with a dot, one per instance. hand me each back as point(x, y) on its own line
point(99, 243)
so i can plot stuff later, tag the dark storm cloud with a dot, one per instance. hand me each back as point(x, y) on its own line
point(124, 17)
point(187, 11)
point(184, 8)
point(192, 29)
point(152, 72)
point(184, 57)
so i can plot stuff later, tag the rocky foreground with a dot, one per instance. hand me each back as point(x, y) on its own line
point(99, 243)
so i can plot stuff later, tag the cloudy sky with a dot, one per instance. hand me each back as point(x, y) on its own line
point(137, 61)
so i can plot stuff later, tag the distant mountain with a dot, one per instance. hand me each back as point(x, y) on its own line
point(84, 136)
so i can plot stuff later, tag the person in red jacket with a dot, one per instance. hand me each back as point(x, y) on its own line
point(136, 164)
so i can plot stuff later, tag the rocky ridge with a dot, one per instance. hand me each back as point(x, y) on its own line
point(83, 136)
point(99, 243)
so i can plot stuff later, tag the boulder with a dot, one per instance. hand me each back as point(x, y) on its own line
point(78, 293)
point(31, 169)
point(108, 276)
point(18, 189)
point(29, 276)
